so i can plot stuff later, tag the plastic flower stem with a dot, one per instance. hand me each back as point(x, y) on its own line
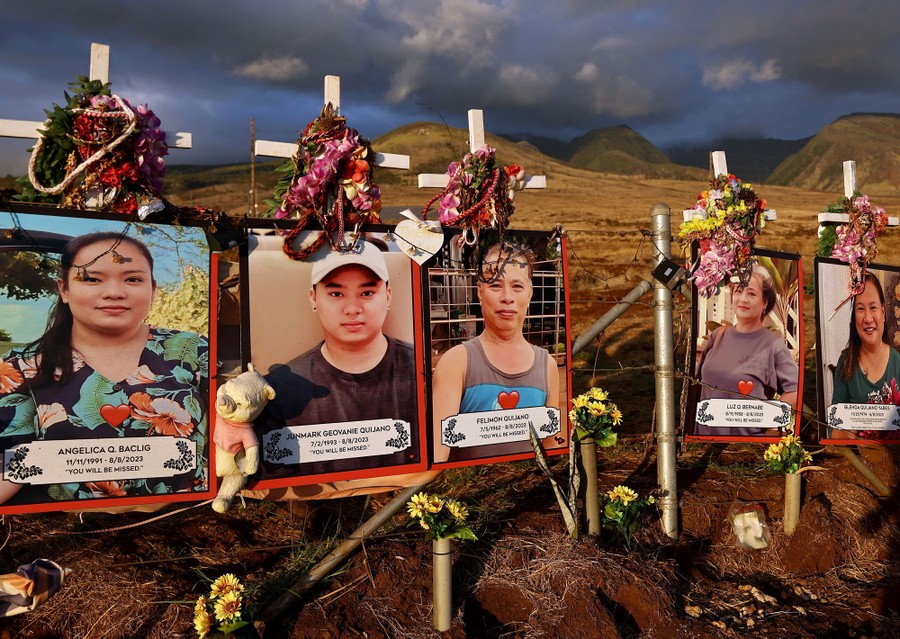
point(591, 490)
point(442, 587)
point(793, 485)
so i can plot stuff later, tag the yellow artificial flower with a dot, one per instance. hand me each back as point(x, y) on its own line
point(599, 394)
point(623, 494)
point(224, 585)
point(597, 409)
point(456, 509)
point(650, 499)
point(202, 620)
point(580, 402)
point(416, 509)
point(424, 524)
point(573, 416)
point(616, 416)
point(434, 504)
point(228, 607)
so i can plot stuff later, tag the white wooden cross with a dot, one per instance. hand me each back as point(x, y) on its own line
point(849, 190)
point(476, 140)
point(720, 167)
point(99, 70)
point(272, 149)
point(459, 289)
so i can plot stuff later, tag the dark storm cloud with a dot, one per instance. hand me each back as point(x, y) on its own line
point(673, 70)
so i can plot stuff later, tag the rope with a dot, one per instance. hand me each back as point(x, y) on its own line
point(74, 173)
point(140, 523)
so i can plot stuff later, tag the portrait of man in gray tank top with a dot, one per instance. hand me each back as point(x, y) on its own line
point(483, 373)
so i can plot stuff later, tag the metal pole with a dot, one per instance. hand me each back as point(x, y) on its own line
point(611, 315)
point(293, 594)
point(864, 470)
point(664, 353)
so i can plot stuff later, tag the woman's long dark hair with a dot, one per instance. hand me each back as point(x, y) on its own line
point(851, 361)
point(53, 350)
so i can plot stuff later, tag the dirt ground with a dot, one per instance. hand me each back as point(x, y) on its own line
point(836, 576)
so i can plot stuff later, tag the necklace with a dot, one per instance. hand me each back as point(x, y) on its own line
point(870, 364)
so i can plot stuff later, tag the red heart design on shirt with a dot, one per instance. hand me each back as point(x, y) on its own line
point(115, 415)
point(508, 400)
point(745, 386)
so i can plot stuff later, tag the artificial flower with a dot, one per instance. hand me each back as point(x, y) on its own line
point(442, 518)
point(725, 221)
point(593, 416)
point(228, 607)
point(225, 584)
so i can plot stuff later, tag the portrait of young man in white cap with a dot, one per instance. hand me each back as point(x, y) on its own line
point(355, 372)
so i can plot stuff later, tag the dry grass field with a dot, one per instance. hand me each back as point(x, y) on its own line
point(837, 576)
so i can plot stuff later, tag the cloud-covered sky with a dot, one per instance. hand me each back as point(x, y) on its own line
point(676, 71)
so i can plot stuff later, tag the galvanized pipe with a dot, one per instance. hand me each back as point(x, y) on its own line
point(611, 315)
point(664, 355)
point(292, 595)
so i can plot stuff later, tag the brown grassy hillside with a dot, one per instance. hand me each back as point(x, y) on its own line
point(872, 140)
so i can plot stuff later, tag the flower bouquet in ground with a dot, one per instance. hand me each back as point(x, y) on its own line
point(444, 519)
point(622, 510)
point(441, 517)
point(593, 417)
point(223, 612)
point(788, 456)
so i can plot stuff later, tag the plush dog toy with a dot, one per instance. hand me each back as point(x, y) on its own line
point(238, 402)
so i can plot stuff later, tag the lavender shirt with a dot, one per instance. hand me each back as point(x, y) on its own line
point(760, 357)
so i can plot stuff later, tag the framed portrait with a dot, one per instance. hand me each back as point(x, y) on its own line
point(490, 387)
point(747, 363)
point(338, 337)
point(857, 358)
point(106, 341)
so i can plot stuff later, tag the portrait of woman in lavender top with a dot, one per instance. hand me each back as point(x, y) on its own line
point(746, 359)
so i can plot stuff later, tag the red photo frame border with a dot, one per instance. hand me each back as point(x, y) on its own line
point(116, 502)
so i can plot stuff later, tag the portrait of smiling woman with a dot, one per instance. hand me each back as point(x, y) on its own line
point(101, 371)
point(868, 364)
point(744, 358)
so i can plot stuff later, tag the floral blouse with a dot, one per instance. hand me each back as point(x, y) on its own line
point(166, 394)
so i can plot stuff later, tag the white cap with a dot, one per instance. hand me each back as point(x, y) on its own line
point(363, 254)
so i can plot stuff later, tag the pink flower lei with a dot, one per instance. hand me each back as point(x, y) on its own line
point(855, 241)
point(726, 219)
point(479, 193)
point(329, 179)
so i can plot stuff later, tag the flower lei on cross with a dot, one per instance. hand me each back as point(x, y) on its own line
point(855, 241)
point(726, 220)
point(331, 165)
point(479, 193)
point(98, 151)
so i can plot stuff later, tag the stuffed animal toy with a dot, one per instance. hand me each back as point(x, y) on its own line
point(238, 402)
